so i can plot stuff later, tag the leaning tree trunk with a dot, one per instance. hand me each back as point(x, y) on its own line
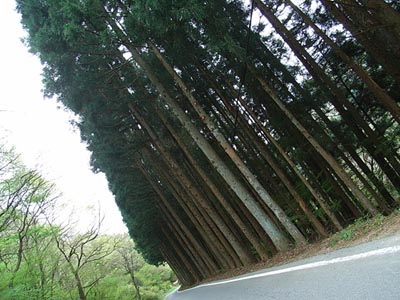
point(282, 152)
point(206, 248)
point(188, 201)
point(277, 236)
point(249, 132)
point(180, 253)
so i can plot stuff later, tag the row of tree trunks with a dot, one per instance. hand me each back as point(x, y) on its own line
point(338, 99)
point(249, 133)
point(224, 155)
point(329, 159)
point(177, 261)
point(279, 213)
point(216, 192)
point(253, 119)
point(339, 173)
point(210, 233)
point(245, 257)
point(200, 257)
point(385, 195)
point(382, 95)
point(272, 230)
point(375, 25)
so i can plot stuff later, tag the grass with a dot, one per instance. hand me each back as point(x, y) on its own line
point(360, 226)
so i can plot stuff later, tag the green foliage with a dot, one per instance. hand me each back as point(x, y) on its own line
point(344, 235)
point(360, 226)
point(155, 280)
point(32, 264)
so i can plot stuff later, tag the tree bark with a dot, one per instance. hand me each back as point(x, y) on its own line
point(221, 226)
point(282, 152)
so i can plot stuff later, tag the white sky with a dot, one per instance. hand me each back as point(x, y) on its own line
point(41, 133)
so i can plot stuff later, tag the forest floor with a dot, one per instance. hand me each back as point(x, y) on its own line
point(362, 231)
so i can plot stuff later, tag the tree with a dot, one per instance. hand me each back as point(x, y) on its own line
point(82, 252)
point(25, 200)
point(131, 262)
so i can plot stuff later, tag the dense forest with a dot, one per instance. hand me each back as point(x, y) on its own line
point(43, 260)
point(230, 131)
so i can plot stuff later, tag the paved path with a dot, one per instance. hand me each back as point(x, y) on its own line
point(367, 271)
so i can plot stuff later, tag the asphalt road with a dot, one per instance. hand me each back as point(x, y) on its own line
point(368, 271)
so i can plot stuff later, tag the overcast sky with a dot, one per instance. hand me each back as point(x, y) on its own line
point(39, 130)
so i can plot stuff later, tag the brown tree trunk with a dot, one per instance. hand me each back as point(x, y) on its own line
point(384, 198)
point(272, 230)
point(198, 217)
point(192, 257)
point(250, 134)
point(79, 286)
point(179, 252)
point(281, 151)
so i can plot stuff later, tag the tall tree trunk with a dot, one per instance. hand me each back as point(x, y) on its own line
point(180, 252)
point(176, 265)
point(339, 137)
point(276, 235)
point(78, 282)
point(340, 191)
point(203, 221)
point(282, 152)
point(385, 197)
point(192, 257)
point(279, 171)
point(206, 248)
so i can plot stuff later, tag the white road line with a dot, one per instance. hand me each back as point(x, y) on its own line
point(378, 252)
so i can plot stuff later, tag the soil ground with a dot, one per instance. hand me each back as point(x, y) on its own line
point(363, 230)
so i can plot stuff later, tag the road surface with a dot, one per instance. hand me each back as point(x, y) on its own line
point(367, 271)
